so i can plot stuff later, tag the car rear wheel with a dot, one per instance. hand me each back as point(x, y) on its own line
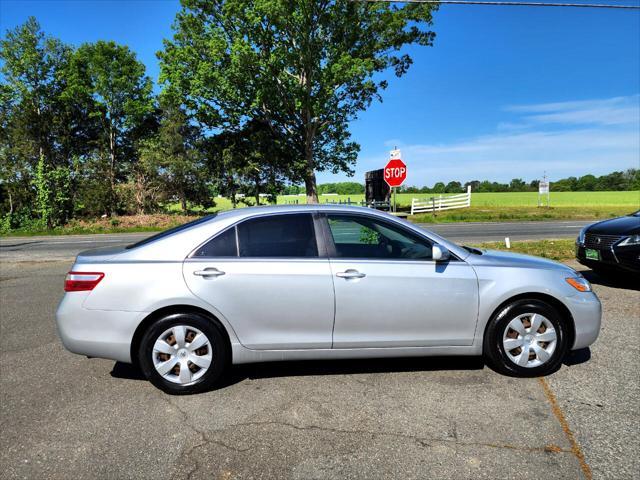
point(527, 338)
point(183, 353)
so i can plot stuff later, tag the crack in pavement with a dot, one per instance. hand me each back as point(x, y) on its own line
point(203, 437)
point(424, 441)
point(453, 440)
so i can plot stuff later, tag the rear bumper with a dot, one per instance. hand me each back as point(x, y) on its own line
point(586, 310)
point(96, 333)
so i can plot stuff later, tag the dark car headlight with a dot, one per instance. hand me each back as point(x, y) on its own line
point(629, 241)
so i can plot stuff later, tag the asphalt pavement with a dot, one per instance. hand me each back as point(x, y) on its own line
point(62, 247)
point(65, 416)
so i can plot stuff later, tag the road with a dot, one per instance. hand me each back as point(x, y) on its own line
point(65, 416)
point(61, 247)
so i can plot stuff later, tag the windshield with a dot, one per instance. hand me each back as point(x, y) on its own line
point(636, 214)
point(171, 231)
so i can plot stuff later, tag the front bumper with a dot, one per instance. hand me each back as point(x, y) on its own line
point(586, 310)
point(96, 333)
point(621, 258)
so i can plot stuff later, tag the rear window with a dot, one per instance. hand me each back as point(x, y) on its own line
point(290, 235)
point(171, 231)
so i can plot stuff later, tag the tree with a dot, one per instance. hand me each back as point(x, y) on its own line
point(438, 188)
point(303, 67)
point(173, 161)
point(613, 181)
point(587, 183)
point(474, 184)
point(453, 187)
point(116, 82)
point(533, 185)
point(32, 71)
point(250, 161)
point(517, 185)
point(564, 185)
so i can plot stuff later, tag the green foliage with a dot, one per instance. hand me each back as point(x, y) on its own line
point(172, 163)
point(68, 123)
point(341, 188)
point(51, 201)
point(43, 192)
point(453, 187)
point(111, 78)
point(369, 236)
point(304, 68)
point(32, 140)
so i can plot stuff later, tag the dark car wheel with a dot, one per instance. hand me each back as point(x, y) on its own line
point(183, 353)
point(527, 338)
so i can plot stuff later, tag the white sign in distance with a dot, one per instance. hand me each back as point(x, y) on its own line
point(543, 187)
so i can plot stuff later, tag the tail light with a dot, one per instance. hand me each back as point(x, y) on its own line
point(82, 281)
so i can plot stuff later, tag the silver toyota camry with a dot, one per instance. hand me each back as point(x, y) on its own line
point(317, 282)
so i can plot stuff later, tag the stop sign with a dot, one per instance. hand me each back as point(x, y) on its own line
point(395, 173)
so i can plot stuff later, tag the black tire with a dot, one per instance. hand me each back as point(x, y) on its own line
point(220, 354)
point(500, 359)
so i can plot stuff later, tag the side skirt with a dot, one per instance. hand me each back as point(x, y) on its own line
point(244, 355)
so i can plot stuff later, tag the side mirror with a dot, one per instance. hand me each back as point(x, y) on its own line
point(440, 253)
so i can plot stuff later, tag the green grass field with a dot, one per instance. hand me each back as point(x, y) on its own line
point(516, 199)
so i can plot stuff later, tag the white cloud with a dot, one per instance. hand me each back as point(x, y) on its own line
point(567, 138)
point(611, 111)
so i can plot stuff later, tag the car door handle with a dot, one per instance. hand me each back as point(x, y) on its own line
point(351, 274)
point(208, 272)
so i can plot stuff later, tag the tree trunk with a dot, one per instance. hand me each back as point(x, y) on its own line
point(310, 174)
point(183, 202)
point(257, 182)
point(234, 200)
point(112, 174)
point(310, 186)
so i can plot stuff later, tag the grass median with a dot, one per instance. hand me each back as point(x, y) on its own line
point(552, 249)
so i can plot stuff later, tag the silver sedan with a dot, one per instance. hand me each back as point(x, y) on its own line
point(317, 282)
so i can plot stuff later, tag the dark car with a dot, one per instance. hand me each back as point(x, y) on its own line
point(611, 245)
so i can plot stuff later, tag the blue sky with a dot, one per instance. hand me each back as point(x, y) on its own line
point(505, 92)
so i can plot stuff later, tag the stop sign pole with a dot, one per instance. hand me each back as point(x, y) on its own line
point(395, 172)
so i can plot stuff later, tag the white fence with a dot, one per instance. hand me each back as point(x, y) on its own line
point(436, 204)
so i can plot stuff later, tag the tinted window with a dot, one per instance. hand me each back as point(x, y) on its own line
point(278, 236)
point(363, 237)
point(223, 245)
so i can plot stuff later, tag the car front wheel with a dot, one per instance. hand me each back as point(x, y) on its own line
point(183, 353)
point(527, 338)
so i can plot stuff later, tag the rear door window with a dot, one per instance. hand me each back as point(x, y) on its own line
point(291, 235)
point(222, 245)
